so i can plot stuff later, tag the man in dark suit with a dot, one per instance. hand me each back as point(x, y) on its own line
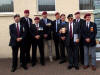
point(72, 41)
point(17, 34)
point(89, 40)
point(81, 49)
point(47, 33)
point(27, 22)
point(56, 35)
point(61, 38)
point(37, 31)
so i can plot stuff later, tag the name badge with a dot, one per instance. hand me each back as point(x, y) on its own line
point(91, 29)
point(75, 37)
point(40, 29)
point(48, 24)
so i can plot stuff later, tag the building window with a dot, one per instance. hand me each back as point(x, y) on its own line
point(6, 6)
point(86, 4)
point(46, 5)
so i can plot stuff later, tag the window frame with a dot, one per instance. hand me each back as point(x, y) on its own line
point(85, 10)
point(49, 12)
point(8, 13)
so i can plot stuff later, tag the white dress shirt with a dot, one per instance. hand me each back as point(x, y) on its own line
point(18, 25)
point(88, 24)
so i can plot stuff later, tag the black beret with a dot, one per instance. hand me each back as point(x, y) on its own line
point(70, 16)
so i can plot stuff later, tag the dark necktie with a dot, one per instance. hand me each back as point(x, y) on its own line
point(71, 31)
point(77, 21)
point(18, 32)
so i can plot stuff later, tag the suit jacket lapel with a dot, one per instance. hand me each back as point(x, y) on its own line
point(74, 26)
point(15, 28)
point(21, 28)
point(90, 25)
point(43, 21)
point(68, 27)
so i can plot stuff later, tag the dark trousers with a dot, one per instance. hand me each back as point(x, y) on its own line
point(27, 49)
point(40, 44)
point(81, 52)
point(57, 42)
point(62, 49)
point(73, 54)
point(15, 55)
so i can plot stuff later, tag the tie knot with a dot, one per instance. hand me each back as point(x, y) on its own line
point(70, 23)
point(17, 24)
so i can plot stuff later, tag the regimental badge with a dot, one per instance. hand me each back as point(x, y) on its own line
point(48, 24)
point(40, 28)
point(91, 29)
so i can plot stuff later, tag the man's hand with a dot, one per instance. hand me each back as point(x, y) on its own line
point(37, 36)
point(77, 41)
point(87, 40)
point(63, 38)
point(19, 39)
point(45, 35)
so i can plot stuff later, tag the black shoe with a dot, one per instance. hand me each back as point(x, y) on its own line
point(57, 58)
point(70, 67)
point(28, 62)
point(76, 67)
point(24, 67)
point(42, 63)
point(62, 61)
point(82, 63)
point(13, 69)
point(33, 64)
point(21, 64)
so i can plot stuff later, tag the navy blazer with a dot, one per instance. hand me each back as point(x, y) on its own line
point(13, 34)
point(76, 30)
point(47, 30)
point(80, 24)
point(55, 34)
point(35, 31)
point(61, 26)
point(26, 25)
point(89, 33)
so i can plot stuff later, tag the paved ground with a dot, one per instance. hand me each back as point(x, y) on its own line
point(50, 69)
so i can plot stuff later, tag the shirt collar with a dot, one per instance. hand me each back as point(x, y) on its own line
point(88, 22)
point(78, 19)
point(64, 22)
point(37, 25)
point(17, 23)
